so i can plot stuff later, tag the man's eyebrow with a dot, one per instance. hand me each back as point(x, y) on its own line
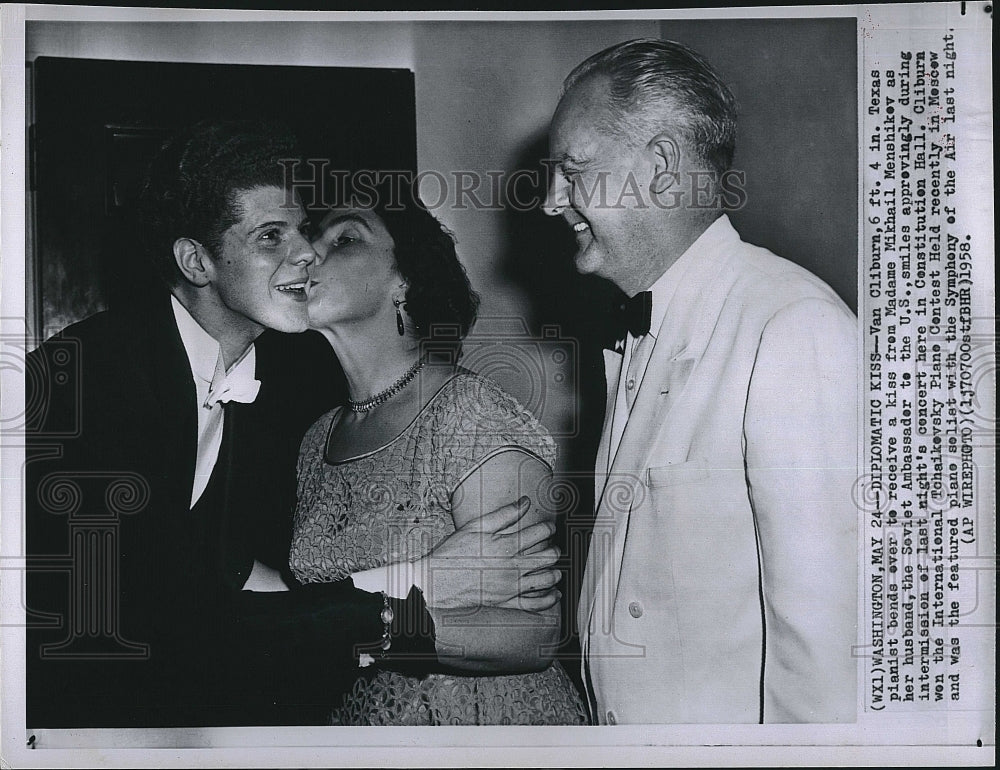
point(265, 225)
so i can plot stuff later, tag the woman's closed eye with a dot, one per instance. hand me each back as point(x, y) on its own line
point(341, 238)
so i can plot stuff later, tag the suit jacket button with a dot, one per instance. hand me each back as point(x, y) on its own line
point(635, 609)
point(612, 719)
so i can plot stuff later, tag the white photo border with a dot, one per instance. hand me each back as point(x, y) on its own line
point(926, 739)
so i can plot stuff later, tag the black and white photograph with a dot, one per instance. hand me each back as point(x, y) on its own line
point(477, 388)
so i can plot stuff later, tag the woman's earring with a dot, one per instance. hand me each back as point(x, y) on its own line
point(399, 317)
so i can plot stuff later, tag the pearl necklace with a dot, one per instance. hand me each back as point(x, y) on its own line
point(380, 398)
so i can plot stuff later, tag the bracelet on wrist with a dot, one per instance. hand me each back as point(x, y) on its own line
point(387, 618)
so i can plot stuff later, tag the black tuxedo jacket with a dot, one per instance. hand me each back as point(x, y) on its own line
point(135, 613)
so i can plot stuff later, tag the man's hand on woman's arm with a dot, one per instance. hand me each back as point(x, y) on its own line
point(491, 562)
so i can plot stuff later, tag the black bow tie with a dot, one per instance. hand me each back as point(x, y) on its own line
point(632, 316)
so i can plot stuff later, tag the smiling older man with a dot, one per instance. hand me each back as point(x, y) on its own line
point(720, 584)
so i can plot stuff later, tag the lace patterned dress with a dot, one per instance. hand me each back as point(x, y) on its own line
point(393, 504)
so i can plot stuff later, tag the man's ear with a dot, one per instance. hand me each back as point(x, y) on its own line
point(192, 260)
point(666, 163)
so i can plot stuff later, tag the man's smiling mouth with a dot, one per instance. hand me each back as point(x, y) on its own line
point(580, 227)
point(299, 287)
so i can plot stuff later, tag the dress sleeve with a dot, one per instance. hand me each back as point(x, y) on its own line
point(474, 419)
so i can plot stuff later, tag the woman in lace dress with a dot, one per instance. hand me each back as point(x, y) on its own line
point(422, 446)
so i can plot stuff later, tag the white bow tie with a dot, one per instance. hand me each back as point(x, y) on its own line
point(238, 385)
point(242, 389)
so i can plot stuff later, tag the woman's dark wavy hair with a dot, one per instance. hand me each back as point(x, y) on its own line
point(192, 183)
point(440, 300)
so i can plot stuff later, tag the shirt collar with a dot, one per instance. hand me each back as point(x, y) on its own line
point(666, 285)
point(205, 353)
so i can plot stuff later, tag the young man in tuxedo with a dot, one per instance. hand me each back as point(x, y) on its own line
point(161, 474)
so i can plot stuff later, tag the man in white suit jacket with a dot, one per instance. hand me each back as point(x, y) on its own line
point(721, 581)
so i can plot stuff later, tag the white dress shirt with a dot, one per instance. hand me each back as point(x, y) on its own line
point(214, 385)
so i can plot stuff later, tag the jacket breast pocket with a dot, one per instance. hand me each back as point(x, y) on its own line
point(703, 521)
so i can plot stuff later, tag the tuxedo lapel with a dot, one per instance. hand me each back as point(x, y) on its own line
point(172, 384)
point(231, 508)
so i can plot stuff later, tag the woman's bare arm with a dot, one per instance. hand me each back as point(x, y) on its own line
point(500, 639)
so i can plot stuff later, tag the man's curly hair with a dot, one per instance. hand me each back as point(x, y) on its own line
point(193, 182)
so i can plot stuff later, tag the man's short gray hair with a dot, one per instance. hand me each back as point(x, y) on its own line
point(659, 84)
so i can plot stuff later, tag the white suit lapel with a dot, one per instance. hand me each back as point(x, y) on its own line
point(680, 343)
point(623, 488)
point(612, 371)
point(595, 566)
point(665, 377)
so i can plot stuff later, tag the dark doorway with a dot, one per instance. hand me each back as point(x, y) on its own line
point(97, 122)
